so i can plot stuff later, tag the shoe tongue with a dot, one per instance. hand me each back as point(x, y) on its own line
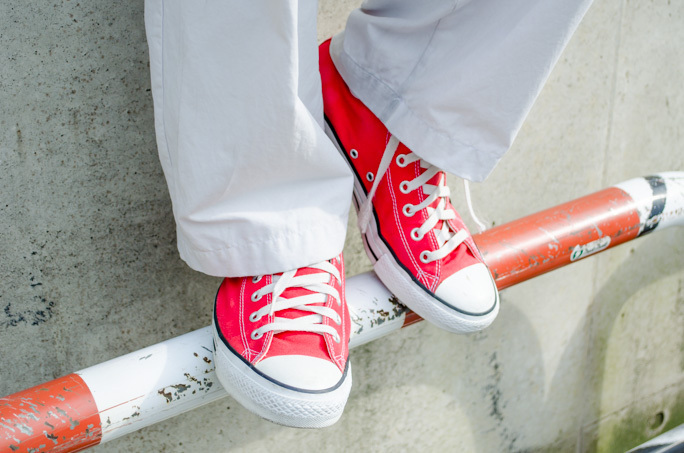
point(434, 181)
point(437, 178)
point(290, 342)
point(296, 291)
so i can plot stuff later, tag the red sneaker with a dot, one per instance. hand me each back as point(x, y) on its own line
point(282, 344)
point(419, 246)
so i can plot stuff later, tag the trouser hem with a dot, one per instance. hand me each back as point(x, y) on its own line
point(268, 256)
point(435, 146)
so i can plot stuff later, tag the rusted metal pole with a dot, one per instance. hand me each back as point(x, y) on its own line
point(125, 394)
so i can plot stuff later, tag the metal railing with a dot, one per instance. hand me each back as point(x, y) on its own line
point(125, 394)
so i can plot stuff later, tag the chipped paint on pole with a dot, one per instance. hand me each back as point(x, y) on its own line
point(58, 416)
point(547, 240)
point(154, 383)
point(373, 310)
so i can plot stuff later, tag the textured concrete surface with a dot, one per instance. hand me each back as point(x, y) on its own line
point(587, 358)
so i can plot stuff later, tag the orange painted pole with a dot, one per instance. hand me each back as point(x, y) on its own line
point(58, 416)
point(547, 240)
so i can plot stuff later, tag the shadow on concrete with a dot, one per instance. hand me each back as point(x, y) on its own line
point(652, 259)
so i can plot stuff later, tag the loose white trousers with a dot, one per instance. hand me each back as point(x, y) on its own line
point(256, 185)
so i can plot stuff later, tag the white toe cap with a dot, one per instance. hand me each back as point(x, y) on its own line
point(470, 290)
point(300, 371)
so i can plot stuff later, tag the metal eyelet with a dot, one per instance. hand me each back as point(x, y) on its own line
point(425, 257)
point(403, 187)
point(336, 338)
point(338, 320)
point(401, 160)
point(253, 317)
point(407, 210)
point(369, 176)
point(353, 153)
point(256, 335)
point(255, 296)
point(415, 235)
point(256, 279)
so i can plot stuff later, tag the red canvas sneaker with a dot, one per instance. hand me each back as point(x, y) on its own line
point(282, 344)
point(419, 246)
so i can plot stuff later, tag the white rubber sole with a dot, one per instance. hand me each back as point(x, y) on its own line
point(285, 406)
point(402, 285)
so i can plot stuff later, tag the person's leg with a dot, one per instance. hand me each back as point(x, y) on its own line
point(256, 185)
point(257, 190)
point(451, 81)
point(454, 80)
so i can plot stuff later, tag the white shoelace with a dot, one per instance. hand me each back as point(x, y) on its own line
point(318, 283)
point(481, 226)
point(447, 238)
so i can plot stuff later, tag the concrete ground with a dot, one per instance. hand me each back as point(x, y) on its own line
point(586, 358)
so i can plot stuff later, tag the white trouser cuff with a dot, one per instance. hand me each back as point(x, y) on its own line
point(268, 255)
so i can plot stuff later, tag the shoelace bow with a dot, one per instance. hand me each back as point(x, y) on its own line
point(447, 238)
point(318, 283)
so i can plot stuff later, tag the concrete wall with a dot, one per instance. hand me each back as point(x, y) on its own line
point(587, 358)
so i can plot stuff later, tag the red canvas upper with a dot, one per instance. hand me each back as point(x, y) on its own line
point(234, 305)
point(357, 128)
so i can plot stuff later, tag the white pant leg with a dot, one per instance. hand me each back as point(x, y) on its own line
point(256, 186)
point(454, 80)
